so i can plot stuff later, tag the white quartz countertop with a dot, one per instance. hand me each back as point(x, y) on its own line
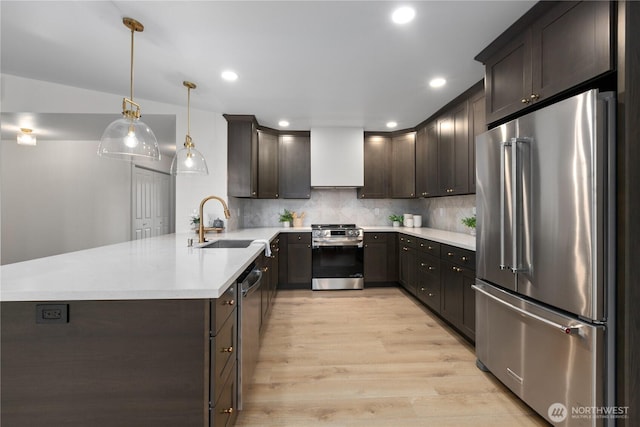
point(461, 240)
point(161, 267)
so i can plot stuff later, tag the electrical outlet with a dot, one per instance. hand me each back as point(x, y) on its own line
point(52, 313)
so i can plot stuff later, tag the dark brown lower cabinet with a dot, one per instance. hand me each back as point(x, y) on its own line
point(440, 276)
point(295, 260)
point(380, 258)
point(119, 363)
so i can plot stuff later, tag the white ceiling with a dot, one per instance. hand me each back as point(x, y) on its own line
point(314, 63)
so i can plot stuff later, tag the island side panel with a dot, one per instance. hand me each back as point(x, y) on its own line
point(125, 363)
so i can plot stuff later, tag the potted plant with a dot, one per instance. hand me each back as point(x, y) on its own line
point(286, 217)
point(195, 221)
point(396, 220)
point(470, 222)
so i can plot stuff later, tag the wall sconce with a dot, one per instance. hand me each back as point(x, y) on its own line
point(26, 137)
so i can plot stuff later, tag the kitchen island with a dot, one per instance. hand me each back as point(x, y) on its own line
point(132, 334)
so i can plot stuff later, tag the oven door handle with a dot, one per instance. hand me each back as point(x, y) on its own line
point(337, 243)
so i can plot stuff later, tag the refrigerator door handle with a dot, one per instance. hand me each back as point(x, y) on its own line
point(565, 329)
point(503, 147)
point(515, 202)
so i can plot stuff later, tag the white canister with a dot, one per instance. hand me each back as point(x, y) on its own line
point(407, 216)
point(417, 221)
point(408, 222)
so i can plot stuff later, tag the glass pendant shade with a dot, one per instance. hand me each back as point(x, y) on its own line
point(129, 137)
point(187, 161)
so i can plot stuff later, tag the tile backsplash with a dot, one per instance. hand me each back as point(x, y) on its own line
point(343, 206)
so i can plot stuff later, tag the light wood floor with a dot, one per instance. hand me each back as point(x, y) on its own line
point(370, 358)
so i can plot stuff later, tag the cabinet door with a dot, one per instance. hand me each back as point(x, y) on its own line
point(267, 165)
point(468, 323)
point(453, 151)
point(477, 126)
point(452, 293)
point(375, 257)
point(407, 264)
point(508, 78)
point(403, 166)
point(295, 167)
point(242, 157)
point(299, 258)
point(571, 44)
point(427, 161)
point(377, 155)
point(428, 288)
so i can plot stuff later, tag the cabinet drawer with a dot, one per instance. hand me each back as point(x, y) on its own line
point(429, 265)
point(429, 247)
point(299, 237)
point(222, 307)
point(406, 240)
point(223, 355)
point(428, 292)
point(224, 411)
point(459, 256)
point(375, 237)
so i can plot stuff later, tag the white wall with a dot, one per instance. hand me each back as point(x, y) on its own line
point(208, 130)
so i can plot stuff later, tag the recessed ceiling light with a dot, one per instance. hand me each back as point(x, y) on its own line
point(437, 82)
point(392, 124)
point(403, 15)
point(283, 123)
point(229, 76)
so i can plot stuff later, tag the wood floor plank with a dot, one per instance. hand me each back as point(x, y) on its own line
point(370, 358)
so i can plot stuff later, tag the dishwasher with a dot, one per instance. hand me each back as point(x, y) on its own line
point(249, 319)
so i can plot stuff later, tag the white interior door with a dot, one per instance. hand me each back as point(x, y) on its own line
point(143, 196)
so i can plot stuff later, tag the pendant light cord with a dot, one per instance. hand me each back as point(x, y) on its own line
point(189, 111)
point(131, 79)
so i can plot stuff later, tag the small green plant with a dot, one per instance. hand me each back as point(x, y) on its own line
point(469, 221)
point(394, 218)
point(195, 219)
point(286, 216)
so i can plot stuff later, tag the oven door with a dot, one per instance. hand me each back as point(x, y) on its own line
point(337, 267)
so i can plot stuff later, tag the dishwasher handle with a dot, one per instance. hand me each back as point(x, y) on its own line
point(252, 282)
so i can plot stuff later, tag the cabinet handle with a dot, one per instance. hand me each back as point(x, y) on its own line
point(362, 196)
point(458, 269)
point(411, 194)
point(366, 246)
point(525, 100)
point(227, 411)
point(534, 96)
point(375, 237)
point(464, 258)
point(226, 349)
point(430, 294)
point(253, 193)
point(422, 289)
point(299, 237)
point(404, 248)
point(430, 248)
point(308, 246)
point(422, 264)
point(431, 268)
point(264, 269)
point(276, 195)
point(229, 302)
point(450, 253)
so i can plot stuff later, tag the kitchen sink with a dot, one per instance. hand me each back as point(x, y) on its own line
point(227, 243)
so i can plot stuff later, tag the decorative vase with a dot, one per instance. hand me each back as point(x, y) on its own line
point(396, 223)
point(286, 224)
point(472, 231)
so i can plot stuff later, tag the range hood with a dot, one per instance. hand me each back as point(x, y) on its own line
point(337, 157)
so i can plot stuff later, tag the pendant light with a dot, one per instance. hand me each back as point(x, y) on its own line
point(129, 137)
point(188, 160)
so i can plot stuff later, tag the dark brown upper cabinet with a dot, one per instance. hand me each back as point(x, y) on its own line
point(377, 165)
point(295, 165)
point(556, 46)
point(403, 165)
point(477, 126)
point(453, 151)
point(267, 165)
point(242, 155)
point(427, 163)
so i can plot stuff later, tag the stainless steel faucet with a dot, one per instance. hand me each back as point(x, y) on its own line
point(227, 215)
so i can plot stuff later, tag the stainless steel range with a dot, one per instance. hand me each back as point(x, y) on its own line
point(337, 255)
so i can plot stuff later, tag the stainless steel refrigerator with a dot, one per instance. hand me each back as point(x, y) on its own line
point(545, 258)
